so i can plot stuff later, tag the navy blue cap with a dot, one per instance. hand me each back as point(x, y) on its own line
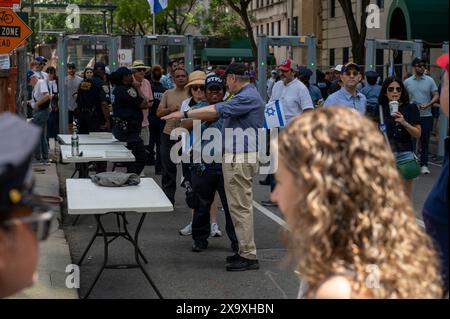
point(417, 61)
point(214, 80)
point(371, 74)
point(124, 71)
point(15, 158)
point(30, 73)
point(305, 72)
point(349, 66)
point(100, 65)
point(41, 59)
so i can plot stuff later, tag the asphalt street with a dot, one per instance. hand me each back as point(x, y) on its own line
point(180, 273)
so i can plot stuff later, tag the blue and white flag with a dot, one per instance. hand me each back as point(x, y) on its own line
point(274, 115)
point(158, 5)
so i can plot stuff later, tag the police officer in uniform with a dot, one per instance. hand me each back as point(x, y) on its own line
point(24, 221)
point(127, 117)
point(93, 100)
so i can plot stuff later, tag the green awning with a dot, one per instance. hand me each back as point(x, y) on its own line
point(425, 19)
point(226, 54)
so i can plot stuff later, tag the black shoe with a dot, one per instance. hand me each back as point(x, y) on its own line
point(243, 264)
point(269, 203)
point(232, 259)
point(198, 247)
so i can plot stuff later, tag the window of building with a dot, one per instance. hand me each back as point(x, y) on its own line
point(345, 55)
point(279, 28)
point(267, 29)
point(380, 4)
point(273, 29)
point(332, 8)
point(332, 57)
point(257, 30)
point(295, 26)
point(288, 26)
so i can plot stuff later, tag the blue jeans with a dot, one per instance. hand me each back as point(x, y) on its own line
point(40, 118)
point(426, 124)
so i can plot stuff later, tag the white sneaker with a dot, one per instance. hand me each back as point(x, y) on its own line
point(186, 231)
point(215, 231)
point(424, 170)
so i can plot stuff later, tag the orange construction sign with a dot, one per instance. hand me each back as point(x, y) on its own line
point(13, 31)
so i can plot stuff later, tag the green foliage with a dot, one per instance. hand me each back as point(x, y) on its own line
point(223, 21)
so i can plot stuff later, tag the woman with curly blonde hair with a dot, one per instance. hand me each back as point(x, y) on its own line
point(353, 231)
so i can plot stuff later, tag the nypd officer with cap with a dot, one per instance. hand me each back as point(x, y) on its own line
point(93, 102)
point(23, 220)
point(127, 116)
point(372, 91)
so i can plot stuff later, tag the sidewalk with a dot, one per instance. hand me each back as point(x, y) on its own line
point(54, 255)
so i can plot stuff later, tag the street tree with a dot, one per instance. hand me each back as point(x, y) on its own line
point(358, 36)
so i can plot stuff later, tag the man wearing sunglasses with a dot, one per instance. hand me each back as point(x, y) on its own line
point(423, 92)
point(348, 95)
point(23, 220)
point(40, 65)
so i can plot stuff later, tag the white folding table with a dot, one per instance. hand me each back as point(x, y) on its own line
point(95, 153)
point(86, 198)
point(91, 139)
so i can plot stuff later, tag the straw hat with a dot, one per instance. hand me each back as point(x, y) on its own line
point(196, 78)
point(139, 64)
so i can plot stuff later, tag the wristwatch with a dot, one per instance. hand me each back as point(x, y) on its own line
point(186, 116)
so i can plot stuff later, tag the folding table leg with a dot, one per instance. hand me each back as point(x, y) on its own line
point(89, 246)
point(105, 258)
point(136, 254)
point(130, 238)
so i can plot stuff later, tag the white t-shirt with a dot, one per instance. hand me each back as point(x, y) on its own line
point(294, 97)
point(39, 90)
point(42, 75)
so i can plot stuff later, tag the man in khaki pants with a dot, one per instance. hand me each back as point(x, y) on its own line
point(243, 115)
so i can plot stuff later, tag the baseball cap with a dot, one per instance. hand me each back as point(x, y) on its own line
point(442, 61)
point(287, 65)
point(71, 65)
point(31, 74)
point(371, 74)
point(15, 159)
point(214, 80)
point(304, 72)
point(350, 65)
point(100, 65)
point(417, 61)
point(41, 59)
point(338, 68)
point(123, 71)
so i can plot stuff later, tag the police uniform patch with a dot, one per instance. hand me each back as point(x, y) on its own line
point(105, 89)
point(132, 92)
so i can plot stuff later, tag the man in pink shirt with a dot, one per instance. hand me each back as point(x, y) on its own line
point(144, 87)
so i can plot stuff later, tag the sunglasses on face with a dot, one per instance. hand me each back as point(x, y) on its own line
point(198, 87)
point(39, 223)
point(352, 73)
point(420, 65)
point(141, 70)
point(396, 89)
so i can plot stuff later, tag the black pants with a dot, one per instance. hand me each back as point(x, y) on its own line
point(205, 187)
point(138, 149)
point(156, 126)
point(169, 168)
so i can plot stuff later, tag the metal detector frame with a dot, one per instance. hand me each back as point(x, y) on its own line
point(264, 42)
point(63, 40)
point(167, 40)
point(372, 45)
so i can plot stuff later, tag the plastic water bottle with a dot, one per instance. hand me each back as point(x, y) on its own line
point(75, 143)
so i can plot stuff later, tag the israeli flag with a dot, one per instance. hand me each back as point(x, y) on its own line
point(274, 115)
point(158, 5)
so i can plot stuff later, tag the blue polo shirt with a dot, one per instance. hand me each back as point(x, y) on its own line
point(421, 91)
point(344, 98)
point(244, 112)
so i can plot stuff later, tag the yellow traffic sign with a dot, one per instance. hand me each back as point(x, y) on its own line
point(13, 31)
